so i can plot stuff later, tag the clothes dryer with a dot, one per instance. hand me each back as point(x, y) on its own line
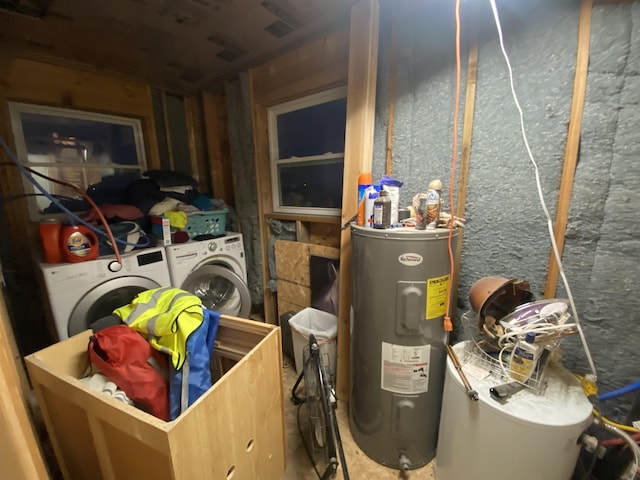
point(214, 270)
point(81, 293)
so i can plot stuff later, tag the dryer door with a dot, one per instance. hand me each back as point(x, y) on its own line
point(104, 299)
point(220, 289)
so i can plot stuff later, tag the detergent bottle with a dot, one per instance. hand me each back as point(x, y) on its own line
point(49, 233)
point(78, 243)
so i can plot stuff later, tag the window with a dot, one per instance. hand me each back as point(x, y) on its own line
point(306, 140)
point(83, 148)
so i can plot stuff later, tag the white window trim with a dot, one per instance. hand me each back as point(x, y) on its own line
point(274, 160)
point(16, 108)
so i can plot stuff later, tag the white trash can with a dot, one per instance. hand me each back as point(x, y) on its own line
point(323, 326)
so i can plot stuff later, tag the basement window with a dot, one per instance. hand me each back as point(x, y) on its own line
point(95, 152)
point(306, 141)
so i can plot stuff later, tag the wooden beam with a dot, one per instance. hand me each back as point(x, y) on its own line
point(167, 130)
point(20, 454)
point(196, 137)
point(358, 153)
point(572, 147)
point(465, 158)
point(393, 61)
point(218, 151)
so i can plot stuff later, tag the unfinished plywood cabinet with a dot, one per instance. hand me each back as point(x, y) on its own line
point(235, 430)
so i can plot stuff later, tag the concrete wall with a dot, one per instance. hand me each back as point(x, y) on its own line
point(506, 231)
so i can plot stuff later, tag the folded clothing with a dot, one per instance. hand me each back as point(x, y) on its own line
point(99, 383)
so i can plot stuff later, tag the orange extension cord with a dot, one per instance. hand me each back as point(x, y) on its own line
point(448, 325)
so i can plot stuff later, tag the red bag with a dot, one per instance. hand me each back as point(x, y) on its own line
point(128, 360)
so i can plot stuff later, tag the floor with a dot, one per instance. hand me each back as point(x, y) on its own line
point(360, 466)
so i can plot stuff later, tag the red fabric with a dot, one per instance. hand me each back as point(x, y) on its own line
point(122, 355)
point(125, 212)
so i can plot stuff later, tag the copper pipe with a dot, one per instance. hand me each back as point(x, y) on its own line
point(473, 395)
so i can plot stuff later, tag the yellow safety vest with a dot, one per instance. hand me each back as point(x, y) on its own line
point(166, 316)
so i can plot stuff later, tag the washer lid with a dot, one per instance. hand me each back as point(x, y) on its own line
point(220, 289)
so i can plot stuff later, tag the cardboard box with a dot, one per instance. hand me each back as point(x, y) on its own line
point(235, 430)
point(161, 229)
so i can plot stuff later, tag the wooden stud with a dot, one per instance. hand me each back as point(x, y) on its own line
point(20, 454)
point(196, 138)
point(218, 152)
point(465, 157)
point(167, 130)
point(392, 90)
point(573, 145)
point(302, 231)
point(358, 154)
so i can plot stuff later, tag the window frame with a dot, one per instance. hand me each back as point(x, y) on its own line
point(17, 108)
point(274, 160)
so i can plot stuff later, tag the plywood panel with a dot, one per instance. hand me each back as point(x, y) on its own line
point(294, 293)
point(292, 261)
point(325, 234)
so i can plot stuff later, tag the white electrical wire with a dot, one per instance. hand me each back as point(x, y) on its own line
point(541, 196)
point(542, 331)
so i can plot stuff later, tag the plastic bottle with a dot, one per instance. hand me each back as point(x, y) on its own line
point(364, 184)
point(368, 208)
point(421, 214)
point(524, 358)
point(49, 233)
point(382, 210)
point(433, 208)
point(78, 243)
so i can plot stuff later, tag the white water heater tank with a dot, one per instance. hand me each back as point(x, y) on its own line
point(529, 437)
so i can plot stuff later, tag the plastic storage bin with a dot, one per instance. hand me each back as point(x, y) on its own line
point(212, 222)
point(324, 326)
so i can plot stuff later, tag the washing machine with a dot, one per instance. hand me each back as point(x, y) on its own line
point(215, 270)
point(81, 293)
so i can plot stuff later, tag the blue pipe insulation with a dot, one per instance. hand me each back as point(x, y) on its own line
point(620, 391)
point(26, 173)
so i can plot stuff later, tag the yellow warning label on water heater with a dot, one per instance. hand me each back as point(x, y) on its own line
point(437, 292)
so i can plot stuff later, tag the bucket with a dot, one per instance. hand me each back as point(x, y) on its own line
point(78, 243)
point(324, 327)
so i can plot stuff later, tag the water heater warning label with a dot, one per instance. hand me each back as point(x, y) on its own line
point(437, 292)
point(405, 369)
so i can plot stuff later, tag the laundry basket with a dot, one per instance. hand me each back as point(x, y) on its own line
point(211, 222)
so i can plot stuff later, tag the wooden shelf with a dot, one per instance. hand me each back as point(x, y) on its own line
point(303, 218)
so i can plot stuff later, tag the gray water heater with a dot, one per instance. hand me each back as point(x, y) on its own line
point(401, 279)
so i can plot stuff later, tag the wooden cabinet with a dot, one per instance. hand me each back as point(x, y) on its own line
point(235, 430)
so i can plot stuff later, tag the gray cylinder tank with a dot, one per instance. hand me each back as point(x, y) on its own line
point(399, 293)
